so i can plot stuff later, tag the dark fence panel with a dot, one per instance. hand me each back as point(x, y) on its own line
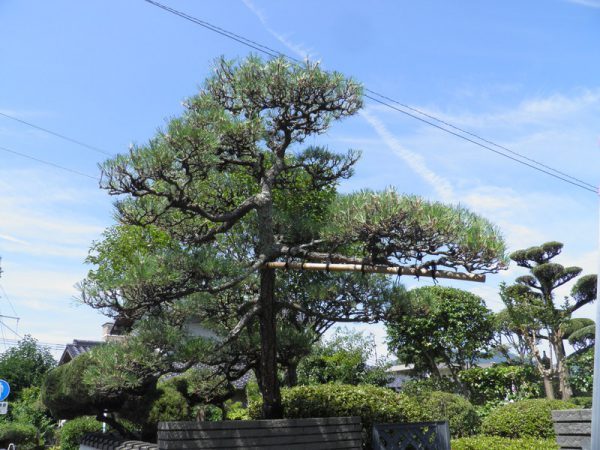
point(288, 434)
point(573, 428)
point(411, 436)
point(109, 442)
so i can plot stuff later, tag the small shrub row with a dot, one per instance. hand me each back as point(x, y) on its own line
point(502, 443)
point(25, 436)
point(526, 418)
point(375, 405)
point(583, 402)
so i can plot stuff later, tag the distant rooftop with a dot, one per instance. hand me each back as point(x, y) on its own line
point(75, 349)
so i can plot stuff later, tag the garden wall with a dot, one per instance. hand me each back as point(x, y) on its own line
point(291, 434)
point(573, 428)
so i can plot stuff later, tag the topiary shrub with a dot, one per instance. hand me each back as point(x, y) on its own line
point(526, 418)
point(502, 443)
point(66, 395)
point(73, 431)
point(24, 435)
point(458, 411)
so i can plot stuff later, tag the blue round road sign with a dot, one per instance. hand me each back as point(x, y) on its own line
point(4, 390)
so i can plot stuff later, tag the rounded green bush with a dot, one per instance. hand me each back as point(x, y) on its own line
point(502, 443)
point(24, 435)
point(73, 431)
point(458, 411)
point(170, 405)
point(526, 418)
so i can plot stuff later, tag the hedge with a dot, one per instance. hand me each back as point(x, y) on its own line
point(24, 435)
point(375, 405)
point(500, 382)
point(502, 443)
point(73, 431)
point(584, 402)
point(372, 404)
point(526, 418)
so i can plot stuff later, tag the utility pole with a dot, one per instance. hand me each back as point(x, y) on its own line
point(2, 324)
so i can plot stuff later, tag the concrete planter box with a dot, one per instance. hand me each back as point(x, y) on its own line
point(573, 428)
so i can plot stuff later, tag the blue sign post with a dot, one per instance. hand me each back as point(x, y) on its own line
point(4, 390)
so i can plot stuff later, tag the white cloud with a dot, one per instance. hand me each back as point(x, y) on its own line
point(416, 162)
point(533, 111)
point(299, 49)
point(589, 3)
point(41, 214)
point(12, 239)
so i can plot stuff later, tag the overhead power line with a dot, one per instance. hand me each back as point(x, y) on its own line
point(8, 299)
point(48, 163)
point(539, 169)
point(3, 325)
point(58, 135)
point(401, 107)
point(15, 342)
point(462, 130)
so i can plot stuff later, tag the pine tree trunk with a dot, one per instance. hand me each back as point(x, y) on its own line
point(539, 362)
point(548, 387)
point(268, 348)
point(563, 371)
point(291, 374)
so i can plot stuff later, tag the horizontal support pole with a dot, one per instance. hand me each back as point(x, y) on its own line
point(366, 268)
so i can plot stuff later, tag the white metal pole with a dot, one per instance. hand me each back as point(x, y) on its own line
point(596, 387)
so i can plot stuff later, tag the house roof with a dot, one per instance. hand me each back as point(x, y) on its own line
point(77, 348)
point(239, 384)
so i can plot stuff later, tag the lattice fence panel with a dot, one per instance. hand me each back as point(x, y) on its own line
point(411, 436)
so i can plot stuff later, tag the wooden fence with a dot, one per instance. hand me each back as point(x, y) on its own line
point(290, 434)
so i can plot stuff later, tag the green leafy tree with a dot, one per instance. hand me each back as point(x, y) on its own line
point(509, 340)
point(536, 316)
point(30, 410)
point(346, 358)
point(25, 365)
point(437, 326)
point(227, 171)
point(581, 371)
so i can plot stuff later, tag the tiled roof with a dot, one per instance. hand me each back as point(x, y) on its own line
point(240, 383)
point(77, 348)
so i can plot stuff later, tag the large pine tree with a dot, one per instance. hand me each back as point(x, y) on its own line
point(234, 186)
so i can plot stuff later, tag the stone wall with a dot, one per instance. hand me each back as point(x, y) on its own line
point(573, 428)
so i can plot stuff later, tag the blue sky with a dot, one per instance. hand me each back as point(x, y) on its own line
point(523, 74)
